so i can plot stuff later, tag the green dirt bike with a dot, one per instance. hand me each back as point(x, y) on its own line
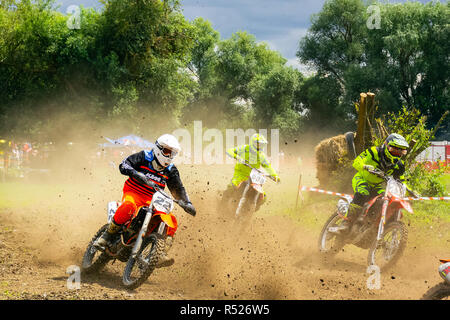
point(378, 227)
point(441, 291)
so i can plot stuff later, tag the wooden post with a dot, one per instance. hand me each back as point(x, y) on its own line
point(370, 115)
point(359, 138)
point(298, 190)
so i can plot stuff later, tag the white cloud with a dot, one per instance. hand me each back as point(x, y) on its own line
point(279, 23)
point(303, 68)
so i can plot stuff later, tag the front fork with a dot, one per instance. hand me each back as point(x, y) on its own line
point(143, 231)
point(383, 218)
point(244, 198)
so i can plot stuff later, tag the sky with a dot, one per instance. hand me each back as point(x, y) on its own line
point(279, 23)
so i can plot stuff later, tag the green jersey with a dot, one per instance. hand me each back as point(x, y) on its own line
point(253, 157)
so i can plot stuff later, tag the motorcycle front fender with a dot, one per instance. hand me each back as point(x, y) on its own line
point(258, 188)
point(406, 205)
point(403, 204)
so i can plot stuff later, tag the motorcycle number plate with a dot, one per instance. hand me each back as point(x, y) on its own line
point(112, 208)
point(257, 177)
point(162, 203)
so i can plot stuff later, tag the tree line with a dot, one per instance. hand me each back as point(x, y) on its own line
point(140, 66)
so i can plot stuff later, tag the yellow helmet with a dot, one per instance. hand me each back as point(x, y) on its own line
point(395, 147)
point(258, 141)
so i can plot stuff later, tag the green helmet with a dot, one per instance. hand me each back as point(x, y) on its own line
point(257, 141)
point(395, 146)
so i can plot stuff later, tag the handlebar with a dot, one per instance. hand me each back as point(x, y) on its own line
point(164, 193)
point(381, 174)
point(188, 207)
point(261, 172)
point(415, 194)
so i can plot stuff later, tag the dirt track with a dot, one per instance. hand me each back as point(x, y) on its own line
point(276, 259)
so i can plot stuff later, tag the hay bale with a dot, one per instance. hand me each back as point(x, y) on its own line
point(329, 154)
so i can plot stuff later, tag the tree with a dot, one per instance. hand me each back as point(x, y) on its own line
point(241, 81)
point(334, 40)
point(405, 61)
point(318, 98)
point(240, 59)
point(273, 96)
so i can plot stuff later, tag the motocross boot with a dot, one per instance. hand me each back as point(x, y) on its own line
point(107, 236)
point(164, 260)
point(352, 214)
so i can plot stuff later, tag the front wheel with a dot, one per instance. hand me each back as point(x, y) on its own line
point(138, 269)
point(94, 259)
point(441, 291)
point(330, 243)
point(244, 213)
point(386, 252)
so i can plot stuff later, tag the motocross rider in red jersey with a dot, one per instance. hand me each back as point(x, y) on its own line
point(146, 170)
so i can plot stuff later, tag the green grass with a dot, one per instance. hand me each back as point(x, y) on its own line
point(19, 194)
point(445, 179)
point(429, 224)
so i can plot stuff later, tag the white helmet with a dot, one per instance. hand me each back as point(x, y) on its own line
point(165, 149)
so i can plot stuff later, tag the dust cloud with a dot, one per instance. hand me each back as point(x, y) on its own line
point(52, 217)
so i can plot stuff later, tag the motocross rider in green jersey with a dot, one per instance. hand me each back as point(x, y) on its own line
point(253, 155)
point(366, 185)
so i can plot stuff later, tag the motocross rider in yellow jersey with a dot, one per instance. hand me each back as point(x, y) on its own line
point(254, 155)
point(366, 185)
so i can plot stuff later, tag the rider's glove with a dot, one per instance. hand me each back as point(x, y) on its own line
point(188, 207)
point(277, 179)
point(368, 167)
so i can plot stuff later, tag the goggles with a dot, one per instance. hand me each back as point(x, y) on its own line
point(169, 153)
point(397, 152)
point(258, 145)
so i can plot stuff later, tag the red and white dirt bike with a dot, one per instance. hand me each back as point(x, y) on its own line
point(378, 227)
point(140, 242)
point(441, 291)
point(243, 207)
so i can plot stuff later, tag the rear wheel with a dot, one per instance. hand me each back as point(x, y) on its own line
point(386, 252)
point(331, 243)
point(94, 259)
point(140, 268)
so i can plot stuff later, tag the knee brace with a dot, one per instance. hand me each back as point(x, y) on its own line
point(124, 212)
